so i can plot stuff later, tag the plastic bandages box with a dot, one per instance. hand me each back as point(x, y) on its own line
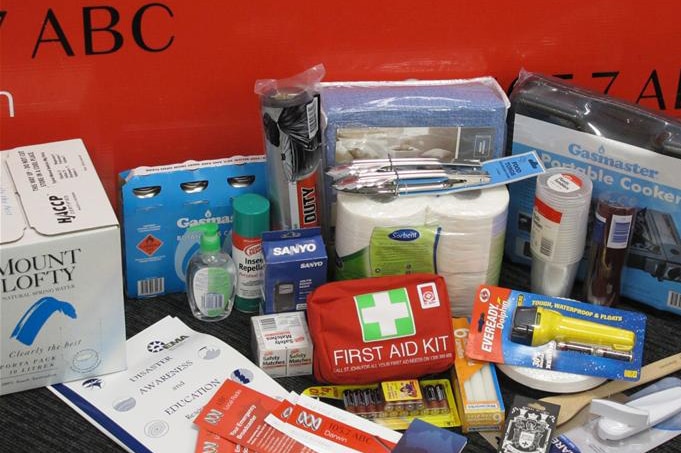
point(61, 312)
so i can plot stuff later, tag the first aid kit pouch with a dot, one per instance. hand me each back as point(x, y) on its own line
point(384, 328)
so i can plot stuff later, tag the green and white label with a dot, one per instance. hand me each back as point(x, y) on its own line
point(212, 290)
point(408, 250)
point(385, 315)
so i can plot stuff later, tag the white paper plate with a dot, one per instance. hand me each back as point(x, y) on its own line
point(550, 381)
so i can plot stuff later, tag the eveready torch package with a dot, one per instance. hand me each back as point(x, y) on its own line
point(378, 329)
point(552, 333)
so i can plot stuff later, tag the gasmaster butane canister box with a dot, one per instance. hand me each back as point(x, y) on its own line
point(159, 204)
point(61, 312)
point(295, 265)
point(652, 274)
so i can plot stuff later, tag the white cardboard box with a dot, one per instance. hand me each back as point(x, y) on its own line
point(281, 344)
point(62, 306)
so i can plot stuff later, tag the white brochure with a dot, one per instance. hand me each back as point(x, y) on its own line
point(172, 372)
point(323, 427)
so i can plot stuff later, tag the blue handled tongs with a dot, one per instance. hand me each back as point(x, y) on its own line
point(406, 176)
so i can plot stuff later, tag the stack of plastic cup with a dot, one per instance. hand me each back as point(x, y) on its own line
point(559, 224)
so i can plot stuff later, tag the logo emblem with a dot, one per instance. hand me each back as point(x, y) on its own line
point(31, 322)
point(309, 421)
point(156, 346)
point(242, 375)
point(428, 295)
point(149, 245)
point(92, 383)
point(384, 315)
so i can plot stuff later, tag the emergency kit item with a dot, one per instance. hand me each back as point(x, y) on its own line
point(424, 437)
point(443, 119)
point(430, 176)
point(537, 326)
point(532, 330)
point(380, 329)
point(549, 380)
point(395, 404)
point(478, 396)
point(295, 264)
point(459, 236)
point(327, 428)
point(211, 277)
point(559, 223)
point(293, 146)
point(619, 421)
point(530, 425)
point(624, 149)
point(281, 344)
point(159, 204)
point(62, 311)
point(407, 176)
point(613, 224)
point(572, 404)
point(251, 218)
point(635, 424)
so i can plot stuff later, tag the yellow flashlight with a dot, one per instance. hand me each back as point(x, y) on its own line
point(535, 326)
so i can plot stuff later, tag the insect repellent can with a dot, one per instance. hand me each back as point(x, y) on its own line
point(251, 219)
point(290, 118)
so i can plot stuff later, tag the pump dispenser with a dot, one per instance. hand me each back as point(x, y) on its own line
point(211, 277)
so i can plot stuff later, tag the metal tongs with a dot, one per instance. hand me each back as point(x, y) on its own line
point(402, 176)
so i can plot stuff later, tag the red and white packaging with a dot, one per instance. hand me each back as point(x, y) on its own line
point(377, 329)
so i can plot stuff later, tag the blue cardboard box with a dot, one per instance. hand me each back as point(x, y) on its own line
point(295, 265)
point(159, 204)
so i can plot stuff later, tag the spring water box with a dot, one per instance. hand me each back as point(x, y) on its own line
point(61, 312)
point(160, 203)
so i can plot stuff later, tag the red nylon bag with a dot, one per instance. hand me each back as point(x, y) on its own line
point(375, 329)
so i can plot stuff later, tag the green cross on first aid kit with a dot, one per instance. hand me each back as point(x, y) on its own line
point(384, 328)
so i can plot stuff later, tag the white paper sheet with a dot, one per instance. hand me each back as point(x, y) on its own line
point(172, 372)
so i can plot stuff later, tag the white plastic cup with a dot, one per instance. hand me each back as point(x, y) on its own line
point(559, 224)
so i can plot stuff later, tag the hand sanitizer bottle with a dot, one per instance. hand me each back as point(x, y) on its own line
point(211, 277)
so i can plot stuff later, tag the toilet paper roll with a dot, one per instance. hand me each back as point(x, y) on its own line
point(469, 247)
point(357, 215)
point(472, 223)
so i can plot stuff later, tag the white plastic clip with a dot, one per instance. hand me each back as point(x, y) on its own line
point(620, 421)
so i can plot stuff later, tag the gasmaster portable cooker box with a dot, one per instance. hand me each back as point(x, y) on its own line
point(61, 312)
point(295, 264)
point(626, 151)
point(160, 203)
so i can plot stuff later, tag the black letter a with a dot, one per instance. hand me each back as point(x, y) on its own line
point(61, 37)
point(658, 90)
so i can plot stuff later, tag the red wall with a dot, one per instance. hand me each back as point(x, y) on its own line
point(173, 80)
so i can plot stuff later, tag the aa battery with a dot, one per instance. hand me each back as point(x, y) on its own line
point(290, 118)
point(436, 399)
point(369, 402)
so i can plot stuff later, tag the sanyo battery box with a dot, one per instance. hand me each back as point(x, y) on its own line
point(281, 344)
point(159, 204)
point(295, 265)
point(61, 311)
